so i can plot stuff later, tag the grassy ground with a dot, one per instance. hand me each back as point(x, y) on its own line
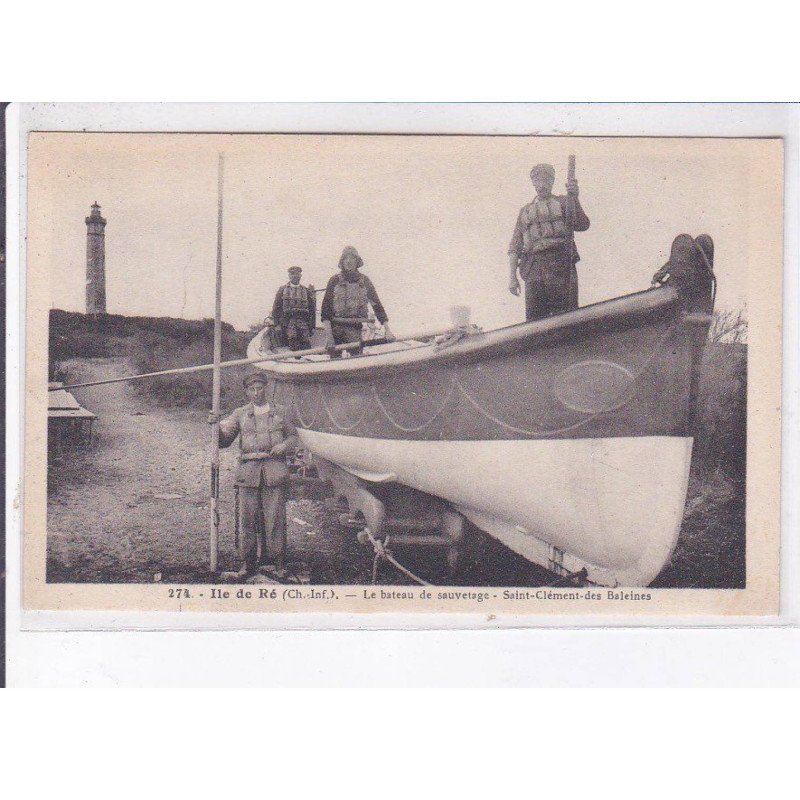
point(711, 548)
point(150, 344)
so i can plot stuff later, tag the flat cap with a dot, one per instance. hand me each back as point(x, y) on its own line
point(255, 377)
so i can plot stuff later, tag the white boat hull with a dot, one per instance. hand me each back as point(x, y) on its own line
point(612, 506)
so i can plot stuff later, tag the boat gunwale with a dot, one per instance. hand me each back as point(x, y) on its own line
point(608, 315)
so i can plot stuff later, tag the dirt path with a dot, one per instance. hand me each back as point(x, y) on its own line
point(135, 505)
point(109, 517)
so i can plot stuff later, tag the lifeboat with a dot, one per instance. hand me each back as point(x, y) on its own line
point(569, 439)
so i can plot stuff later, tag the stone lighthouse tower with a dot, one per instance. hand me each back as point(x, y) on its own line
point(95, 262)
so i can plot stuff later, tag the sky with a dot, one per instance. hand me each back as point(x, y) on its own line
point(432, 216)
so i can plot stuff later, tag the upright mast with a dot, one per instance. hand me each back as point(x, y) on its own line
point(215, 390)
point(570, 213)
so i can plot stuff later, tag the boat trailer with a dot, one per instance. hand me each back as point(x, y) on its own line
point(386, 514)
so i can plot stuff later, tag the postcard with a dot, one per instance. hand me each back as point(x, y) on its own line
point(373, 373)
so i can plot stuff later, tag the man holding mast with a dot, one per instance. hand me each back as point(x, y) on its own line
point(542, 248)
point(262, 476)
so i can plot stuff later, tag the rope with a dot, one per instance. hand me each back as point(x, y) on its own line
point(513, 428)
point(346, 428)
point(441, 342)
point(416, 428)
point(236, 515)
point(316, 410)
point(645, 366)
point(334, 421)
point(382, 552)
point(457, 384)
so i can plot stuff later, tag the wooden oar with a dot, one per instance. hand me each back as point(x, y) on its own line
point(243, 362)
point(349, 320)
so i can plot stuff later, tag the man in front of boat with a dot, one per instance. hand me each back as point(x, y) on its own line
point(262, 476)
point(542, 249)
point(345, 306)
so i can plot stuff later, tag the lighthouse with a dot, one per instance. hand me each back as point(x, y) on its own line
point(95, 262)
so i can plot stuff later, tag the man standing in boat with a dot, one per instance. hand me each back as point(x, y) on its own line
point(345, 306)
point(542, 248)
point(262, 476)
point(294, 311)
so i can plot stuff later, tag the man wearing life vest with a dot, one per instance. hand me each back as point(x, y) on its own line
point(348, 296)
point(266, 436)
point(541, 244)
point(294, 311)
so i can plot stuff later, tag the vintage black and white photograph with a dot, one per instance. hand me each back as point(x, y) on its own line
point(349, 371)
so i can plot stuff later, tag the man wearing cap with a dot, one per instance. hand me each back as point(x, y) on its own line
point(542, 250)
point(294, 311)
point(265, 438)
point(345, 306)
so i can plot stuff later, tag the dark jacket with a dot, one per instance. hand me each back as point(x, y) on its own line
point(281, 319)
point(326, 312)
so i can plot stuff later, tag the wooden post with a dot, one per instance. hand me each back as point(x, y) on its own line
point(215, 390)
